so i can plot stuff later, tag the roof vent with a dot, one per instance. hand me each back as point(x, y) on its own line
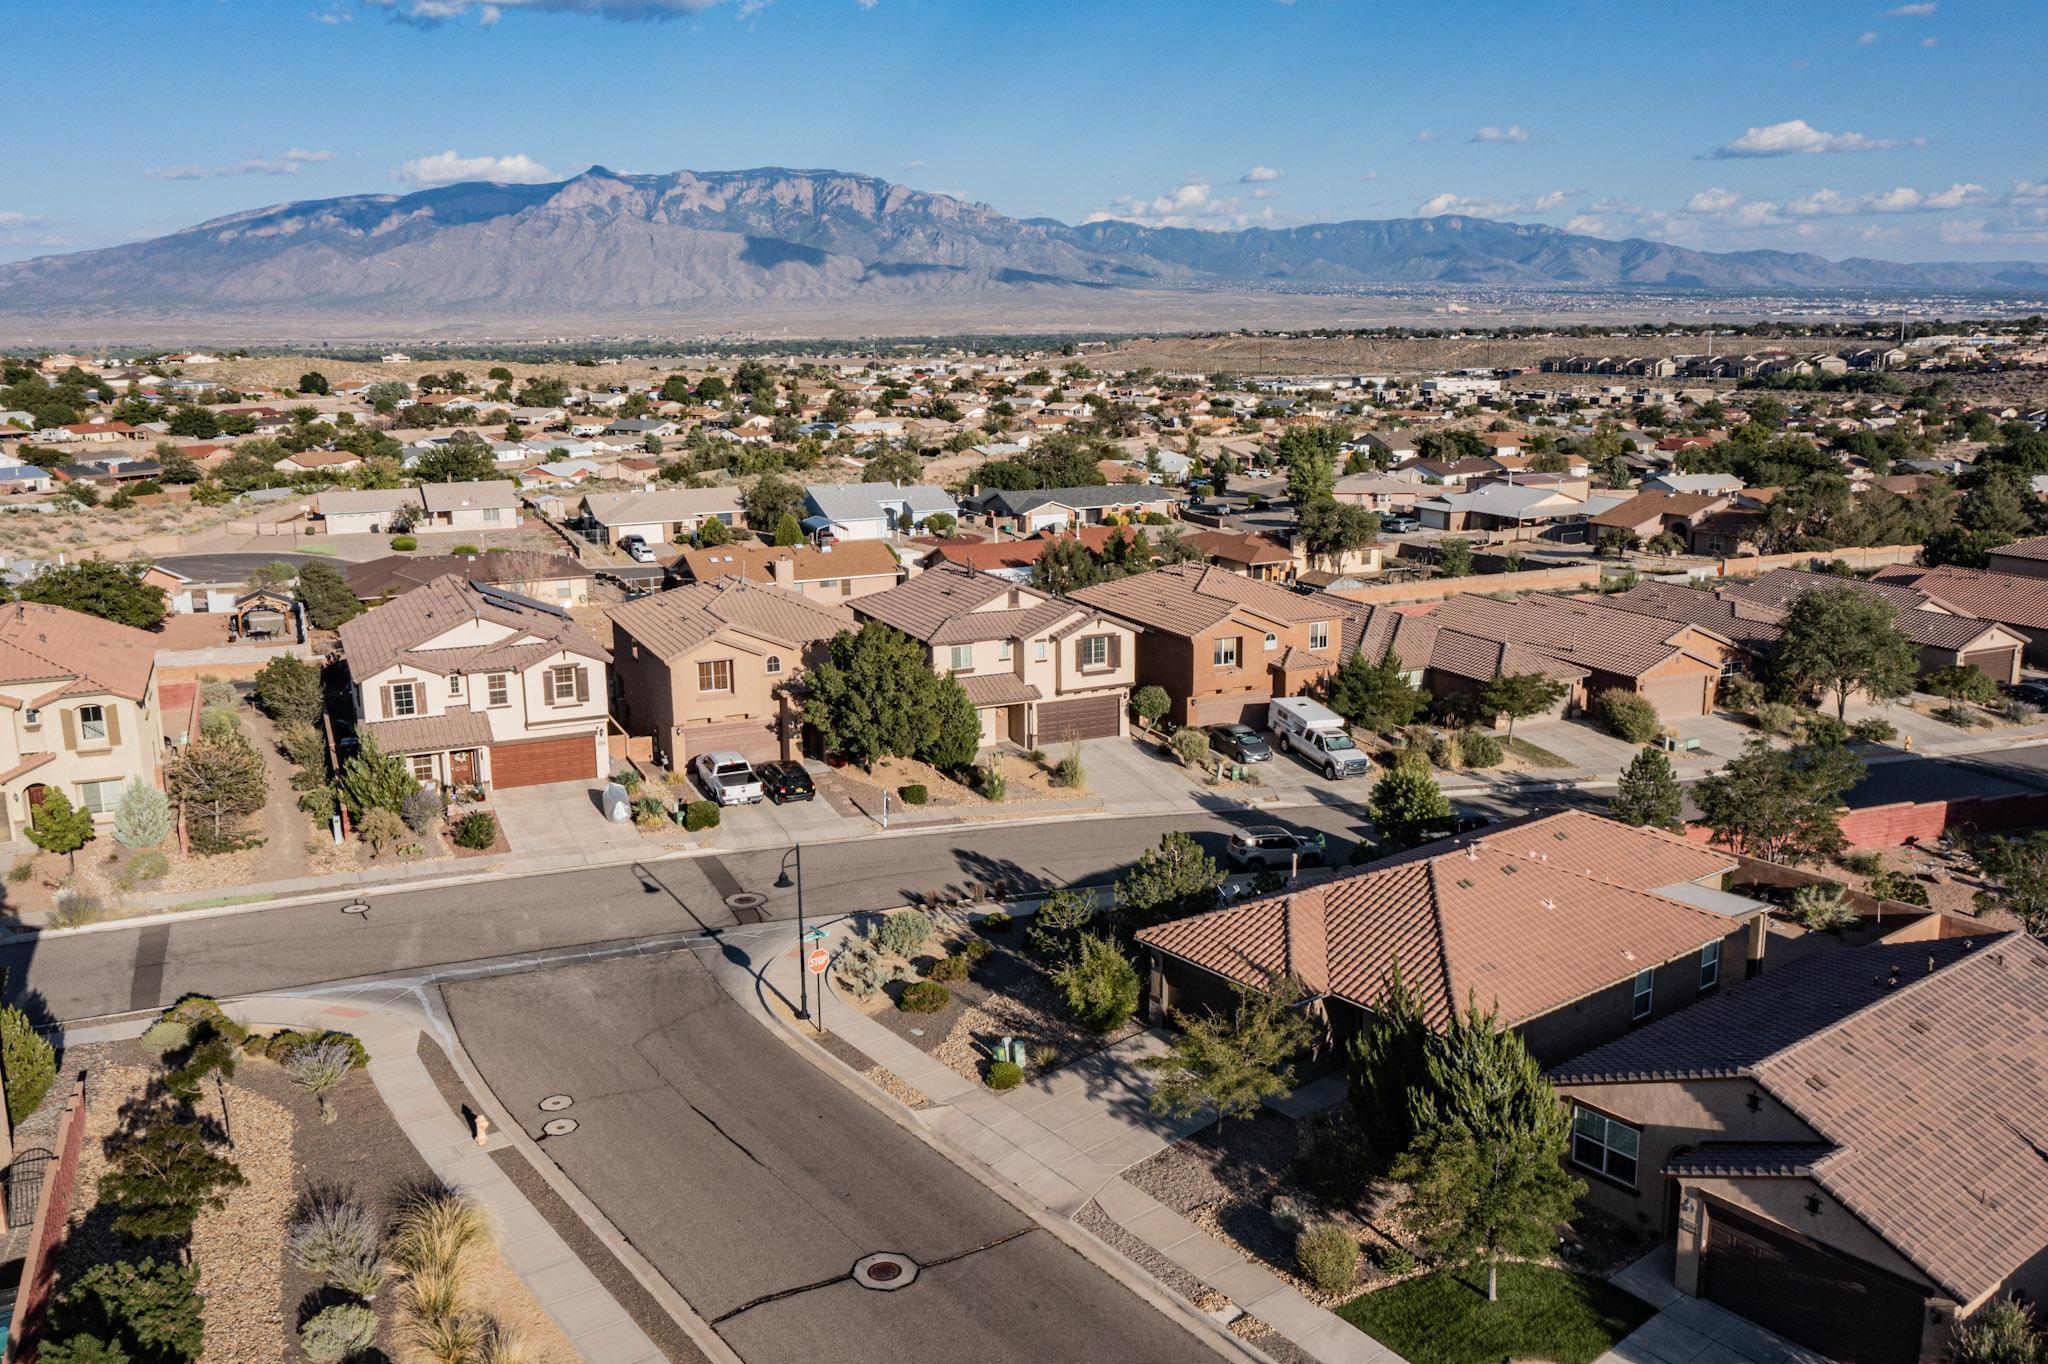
point(1548, 903)
point(1507, 868)
point(1463, 884)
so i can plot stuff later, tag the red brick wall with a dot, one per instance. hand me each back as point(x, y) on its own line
point(1889, 826)
point(39, 1269)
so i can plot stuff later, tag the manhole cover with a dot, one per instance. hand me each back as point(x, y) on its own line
point(745, 899)
point(559, 1127)
point(885, 1271)
point(555, 1103)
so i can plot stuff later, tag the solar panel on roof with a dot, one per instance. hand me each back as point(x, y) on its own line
point(502, 597)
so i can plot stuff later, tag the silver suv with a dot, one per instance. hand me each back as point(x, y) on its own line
point(1269, 845)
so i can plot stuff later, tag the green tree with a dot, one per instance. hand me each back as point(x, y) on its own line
point(313, 381)
point(1065, 566)
point(875, 695)
point(1406, 805)
point(1058, 924)
point(2004, 1332)
point(372, 779)
point(100, 587)
point(1516, 695)
point(160, 1181)
point(1454, 558)
point(1386, 1064)
point(56, 826)
point(1311, 477)
point(1649, 793)
point(288, 688)
point(2019, 864)
point(219, 782)
point(1100, 984)
point(1845, 639)
point(456, 463)
point(1330, 529)
point(28, 1061)
point(955, 740)
point(1233, 1063)
point(326, 596)
point(1377, 696)
point(142, 817)
point(711, 533)
point(1172, 881)
point(789, 531)
point(128, 1312)
point(770, 499)
point(1780, 805)
point(1486, 1174)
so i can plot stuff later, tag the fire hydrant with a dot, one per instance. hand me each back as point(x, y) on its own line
point(483, 1130)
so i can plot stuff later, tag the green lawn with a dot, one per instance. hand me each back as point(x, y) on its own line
point(1542, 1313)
point(1535, 756)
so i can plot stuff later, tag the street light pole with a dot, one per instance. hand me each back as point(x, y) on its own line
point(803, 965)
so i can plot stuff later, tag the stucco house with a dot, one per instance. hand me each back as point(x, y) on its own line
point(658, 516)
point(489, 505)
point(826, 574)
point(872, 511)
point(78, 711)
point(477, 685)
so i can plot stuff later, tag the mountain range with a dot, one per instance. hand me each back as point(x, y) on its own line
point(759, 244)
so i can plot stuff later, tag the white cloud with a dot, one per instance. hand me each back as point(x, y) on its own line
point(913, 165)
point(1833, 203)
point(1428, 135)
point(1909, 12)
point(1370, 175)
point(1265, 194)
point(1869, 37)
point(1477, 207)
point(1514, 132)
point(1726, 208)
point(289, 163)
point(426, 13)
point(1586, 223)
point(1797, 137)
point(446, 168)
point(20, 222)
point(1189, 204)
point(1258, 175)
point(1929, 42)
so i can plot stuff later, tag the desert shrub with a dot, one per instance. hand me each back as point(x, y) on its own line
point(380, 829)
point(1965, 683)
point(1059, 920)
point(215, 692)
point(307, 748)
point(995, 921)
point(319, 1068)
point(2021, 712)
point(990, 781)
point(143, 868)
point(1775, 717)
point(1962, 717)
point(1035, 756)
point(902, 933)
point(1100, 985)
point(29, 1061)
point(860, 967)
point(75, 909)
point(142, 818)
point(1151, 703)
point(1892, 885)
point(1438, 748)
point(1863, 863)
point(949, 968)
point(2006, 1332)
point(281, 1047)
point(20, 871)
point(977, 950)
point(422, 808)
point(164, 1037)
point(476, 830)
point(1819, 907)
point(1191, 746)
point(914, 794)
point(1825, 729)
point(1328, 1257)
point(1287, 1213)
point(1005, 1075)
point(319, 803)
point(1739, 694)
point(1627, 715)
point(465, 549)
point(1874, 730)
point(330, 1232)
point(1394, 1260)
point(1067, 771)
point(405, 544)
point(699, 815)
point(335, 1333)
point(1268, 881)
point(1476, 748)
point(925, 997)
point(649, 812)
point(219, 724)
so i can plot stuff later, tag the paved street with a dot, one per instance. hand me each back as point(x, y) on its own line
point(754, 1183)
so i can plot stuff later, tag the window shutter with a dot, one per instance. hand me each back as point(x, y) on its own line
point(384, 699)
point(70, 730)
point(113, 715)
point(1116, 651)
point(582, 684)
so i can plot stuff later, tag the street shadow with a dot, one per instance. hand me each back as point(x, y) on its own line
point(652, 884)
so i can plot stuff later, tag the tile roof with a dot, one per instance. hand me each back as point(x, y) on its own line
point(1189, 598)
point(348, 501)
point(448, 497)
point(1643, 506)
point(997, 689)
point(41, 643)
point(2008, 598)
point(660, 504)
point(394, 632)
point(1582, 633)
point(431, 733)
point(673, 622)
point(1240, 547)
point(1750, 624)
point(1748, 1159)
point(2033, 548)
point(1528, 917)
point(866, 501)
point(402, 572)
point(1936, 629)
point(1921, 1063)
point(1005, 502)
point(846, 559)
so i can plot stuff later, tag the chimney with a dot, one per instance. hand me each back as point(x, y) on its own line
point(1308, 946)
point(783, 566)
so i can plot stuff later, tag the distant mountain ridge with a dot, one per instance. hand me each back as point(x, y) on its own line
point(761, 241)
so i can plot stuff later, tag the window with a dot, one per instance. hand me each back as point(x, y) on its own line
point(562, 684)
point(715, 675)
point(1003, 652)
point(31, 718)
point(774, 664)
point(1710, 965)
point(495, 690)
point(99, 797)
point(422, 765)
point(1272, 643)
point(827, 584)
point(1604, 1146)
point(404, 700)
point(1226, 652)
point(1095, 651)
point(491, 514)
point(1038, 650)
point(1319, 636)
point(846, 587)
point(1645, 980)
point(963, 658)
point(455, 684)
point(92, 724)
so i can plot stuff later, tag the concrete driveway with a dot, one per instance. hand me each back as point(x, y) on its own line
point(560, 817)
point(1689, 1330)
point(754, 1182)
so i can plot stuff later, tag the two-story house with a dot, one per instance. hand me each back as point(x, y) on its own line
point(826, 574)
point(78, 711)
point(1221, 644)
point(477, 685)
point(1040, 669)
point(709, 667)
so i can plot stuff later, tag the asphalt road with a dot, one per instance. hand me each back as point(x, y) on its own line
point(753, 1183)
point(213, 568)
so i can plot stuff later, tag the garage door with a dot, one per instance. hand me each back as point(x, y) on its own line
point(1228, 710)
point(1845, 1309)
point(754, 740)
point(1676, 697)
point(543, 760)
point(1996, 664)
point(1086, 717)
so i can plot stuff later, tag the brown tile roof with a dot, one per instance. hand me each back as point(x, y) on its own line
point(1920, 1063)
point(673, 622)
point(1582, 633)
point(1748, 1159)
point(401, 572)
point(1528, 917)
point(1236, 548)
point(2008, 598)
point(1189, 598)
point(847, 559)
point(2034, 548)
point(1648, 506)
point(41, 643)
point(395, 631)
point(431, 733)
point(1783, 586)
point(998, 689)
point(941, 606)
point(1750, 624)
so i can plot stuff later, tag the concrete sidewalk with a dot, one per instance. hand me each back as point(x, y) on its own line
point(1063, 1141)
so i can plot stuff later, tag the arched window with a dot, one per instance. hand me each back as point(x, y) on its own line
point(774, 664)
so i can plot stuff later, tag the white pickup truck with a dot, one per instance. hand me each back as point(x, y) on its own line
point(727, 778)
point(1316, 733)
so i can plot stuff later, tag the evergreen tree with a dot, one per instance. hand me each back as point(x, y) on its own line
point(1378, 696)
point(142, 818)
point(99, 587)
point(1233, 1063)
point(288, 688)
point(159, 1182)
point(326, 596)
point(1172, 881)
point(1100, 984)
point(1406, 804)
point(1779, 804)
point(1454, 558)
point(372, 779)
point(127, 1312)
point(219, 782)
point(789, 531)
point(1518, 694)
point(1387, 1065)
point(1649, 793)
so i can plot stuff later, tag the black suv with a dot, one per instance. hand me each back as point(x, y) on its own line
point(785, 782)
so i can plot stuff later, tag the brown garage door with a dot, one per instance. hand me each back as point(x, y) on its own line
point(1678, 697)
point(542, 760)
point(1086, 717)
point(754, 740)
point(1228, 710)
point(1845, 1309)
point(1996, 664)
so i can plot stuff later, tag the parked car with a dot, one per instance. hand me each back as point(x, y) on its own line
point(727, 778)
point(1241, 742)
point(1460, 822)
point(1317, 733)
point(785, 782)
point(636, 549)
point(2032, 690)
point(1269, 845)
point(1399, 525)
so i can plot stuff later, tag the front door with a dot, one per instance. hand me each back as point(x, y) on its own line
point(462, 767)
point(37, 794)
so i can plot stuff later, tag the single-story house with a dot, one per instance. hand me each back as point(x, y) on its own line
point(658, 516)
point(1060, 508)
point(872, 511)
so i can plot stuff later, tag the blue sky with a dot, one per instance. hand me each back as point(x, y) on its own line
point(1909, 131)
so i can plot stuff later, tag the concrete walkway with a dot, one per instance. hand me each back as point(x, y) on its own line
point(1064, 1140)
point(1688, 1330)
